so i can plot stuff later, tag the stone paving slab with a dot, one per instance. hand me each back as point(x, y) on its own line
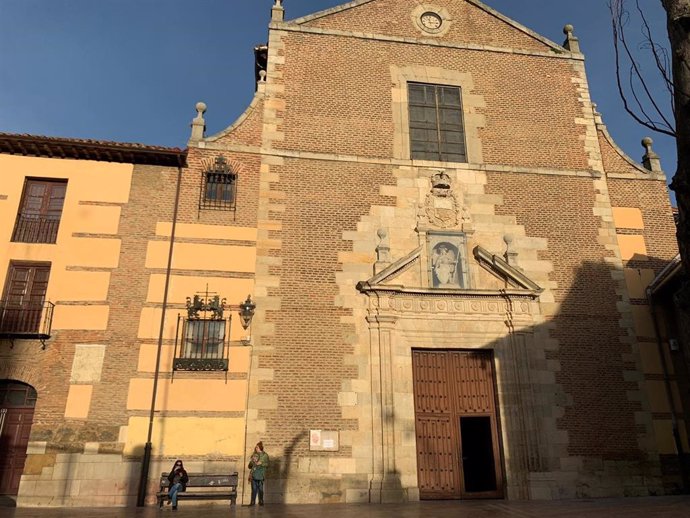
point(666, 507)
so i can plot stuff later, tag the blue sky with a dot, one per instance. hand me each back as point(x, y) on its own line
point(132, 70)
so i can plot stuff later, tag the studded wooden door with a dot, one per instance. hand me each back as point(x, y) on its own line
point(458, 454)
point(17, 402)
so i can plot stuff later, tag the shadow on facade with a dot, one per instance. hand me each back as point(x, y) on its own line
point(589, 399)
point(599, 386)
point(279, 471)
point(616, 386)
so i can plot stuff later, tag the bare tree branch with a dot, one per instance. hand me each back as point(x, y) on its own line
point(638, 73)
point(660, 54)
point(619, 19)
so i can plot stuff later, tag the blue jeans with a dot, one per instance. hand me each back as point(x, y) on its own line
point(257, 489)
point(172, 493)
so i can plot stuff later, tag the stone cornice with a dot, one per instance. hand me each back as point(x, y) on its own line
point(470, 304)
point(392, 289)
point(556, 52)
point(326, 157)
point(498, 265)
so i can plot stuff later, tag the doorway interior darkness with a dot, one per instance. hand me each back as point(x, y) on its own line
point(17, 402)
point(458, 450)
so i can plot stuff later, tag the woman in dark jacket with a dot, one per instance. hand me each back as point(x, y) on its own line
point(178, 479)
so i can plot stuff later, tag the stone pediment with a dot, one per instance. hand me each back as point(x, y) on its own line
point(469, 22)
point(403, 276)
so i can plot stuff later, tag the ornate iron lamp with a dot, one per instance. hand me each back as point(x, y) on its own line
point(247, 311)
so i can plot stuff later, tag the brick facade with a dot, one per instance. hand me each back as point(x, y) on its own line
point(333, 236)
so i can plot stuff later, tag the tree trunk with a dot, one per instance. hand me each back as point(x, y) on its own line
point(678, 24)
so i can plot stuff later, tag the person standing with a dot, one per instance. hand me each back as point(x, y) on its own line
point(257, 465)
point(178, 479)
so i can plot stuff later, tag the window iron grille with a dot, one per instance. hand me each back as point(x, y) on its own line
point(203, 345)
point(202, 339)
point(218, 186)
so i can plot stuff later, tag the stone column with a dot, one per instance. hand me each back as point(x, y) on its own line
point(385, 483)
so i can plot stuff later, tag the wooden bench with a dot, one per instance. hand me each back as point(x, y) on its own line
point(202, 486)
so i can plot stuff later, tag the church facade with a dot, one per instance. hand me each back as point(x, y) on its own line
point(448, 256)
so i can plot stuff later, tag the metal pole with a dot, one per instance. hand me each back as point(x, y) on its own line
point(146, 461)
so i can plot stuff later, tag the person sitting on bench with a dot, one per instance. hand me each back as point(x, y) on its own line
point(178, 482)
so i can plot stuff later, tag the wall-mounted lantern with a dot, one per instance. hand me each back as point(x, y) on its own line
point(247, 311)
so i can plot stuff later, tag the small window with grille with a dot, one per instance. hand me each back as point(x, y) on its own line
point(437, 129)
point(219, 186)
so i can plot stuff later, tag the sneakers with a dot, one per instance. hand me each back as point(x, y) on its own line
point(174, 508)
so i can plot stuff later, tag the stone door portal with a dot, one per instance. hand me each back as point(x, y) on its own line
point(17, 402)
point(458, 452)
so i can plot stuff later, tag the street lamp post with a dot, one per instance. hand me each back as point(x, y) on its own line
point(246, 313)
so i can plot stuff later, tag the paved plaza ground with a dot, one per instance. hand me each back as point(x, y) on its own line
point(677, 506)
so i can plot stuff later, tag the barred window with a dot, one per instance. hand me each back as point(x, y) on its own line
point(219, 186)
point(436, 124)
point(204, 339)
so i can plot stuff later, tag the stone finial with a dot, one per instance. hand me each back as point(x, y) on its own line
point(383, 251)
point(597, 115)
point(511, 255)
point(650, 159)
point(278, 12)
point(572, 43)
point(261, 83)
point(198, 122)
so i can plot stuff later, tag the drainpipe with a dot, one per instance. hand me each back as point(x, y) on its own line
point(669, 392)
point(146, 461)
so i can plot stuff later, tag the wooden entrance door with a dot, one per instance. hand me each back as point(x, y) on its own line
point(458, 453)
point(17, 402)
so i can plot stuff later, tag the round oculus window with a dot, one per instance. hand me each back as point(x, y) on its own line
point(431, 21)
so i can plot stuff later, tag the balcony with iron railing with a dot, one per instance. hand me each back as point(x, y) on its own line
point(34, 228)
point(28, 320)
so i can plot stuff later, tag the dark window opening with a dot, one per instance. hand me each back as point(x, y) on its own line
point(40, 211)
point(437, 129)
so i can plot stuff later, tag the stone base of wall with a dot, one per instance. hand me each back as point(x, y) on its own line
point(93, 479)
point(323, 489)
point(598, 479)
point(82, 480)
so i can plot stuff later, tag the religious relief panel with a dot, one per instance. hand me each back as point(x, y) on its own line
point(447, 260)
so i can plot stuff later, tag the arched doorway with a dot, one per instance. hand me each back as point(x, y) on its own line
point(17, 402)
